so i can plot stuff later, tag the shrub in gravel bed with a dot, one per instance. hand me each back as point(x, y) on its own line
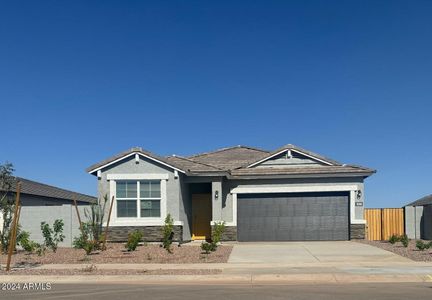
point(167, 233)
point(207, 247)
point(420, 245)
point(52, 236)
point(85, 240)
point(394, 239)
point(133, 240)
point(404, 240)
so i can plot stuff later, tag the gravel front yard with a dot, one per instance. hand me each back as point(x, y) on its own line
point(116, 253)
point(89, 271)
point(410, 252)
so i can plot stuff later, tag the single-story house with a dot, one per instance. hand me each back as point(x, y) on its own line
point(290, 194)
point(45, 203)
point(418, 219)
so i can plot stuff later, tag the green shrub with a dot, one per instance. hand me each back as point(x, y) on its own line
point(95, 217)
point(394, 239)
point(52, 236)
point(404, 240)
point(23, 239)
point(133, 240)
point(167, 233)
point(218, 230)
point(420, 245)
point(85, 240)
point(207, 247)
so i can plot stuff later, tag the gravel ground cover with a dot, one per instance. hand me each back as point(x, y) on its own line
point(88, 270)
point(116, 253)
point(410, 252)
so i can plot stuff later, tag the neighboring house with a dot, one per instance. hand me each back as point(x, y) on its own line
point(38, 194)
point(46, 203)
point(289, 194)
point(418, 219)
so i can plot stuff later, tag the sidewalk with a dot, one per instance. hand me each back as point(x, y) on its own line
point(241, 273)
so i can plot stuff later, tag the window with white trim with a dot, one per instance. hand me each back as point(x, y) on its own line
point(138, 199)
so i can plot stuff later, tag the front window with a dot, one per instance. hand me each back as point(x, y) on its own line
point(150, 196)
point(138, 199)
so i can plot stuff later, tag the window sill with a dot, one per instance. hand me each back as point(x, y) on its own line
point(140, 222)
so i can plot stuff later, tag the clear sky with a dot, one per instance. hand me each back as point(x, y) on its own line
point(352, 80)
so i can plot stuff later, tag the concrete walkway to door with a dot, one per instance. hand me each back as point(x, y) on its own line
point(310, 252)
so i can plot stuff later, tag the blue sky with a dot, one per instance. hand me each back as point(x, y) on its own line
point(352, 80)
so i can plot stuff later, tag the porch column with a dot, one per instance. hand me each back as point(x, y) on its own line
point(217, 200)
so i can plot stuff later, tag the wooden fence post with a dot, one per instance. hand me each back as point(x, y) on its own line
point(106, 228)
point(12, 235)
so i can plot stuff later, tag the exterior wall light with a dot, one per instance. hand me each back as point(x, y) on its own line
point(216, 194)
point(359, 194)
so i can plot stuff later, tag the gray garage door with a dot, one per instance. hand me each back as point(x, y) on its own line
point(293, 217)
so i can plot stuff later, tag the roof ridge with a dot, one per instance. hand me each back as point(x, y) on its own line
point(227, 148)
point(51, 186)
point(196, 162)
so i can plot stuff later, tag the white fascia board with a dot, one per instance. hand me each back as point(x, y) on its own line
point(292, 150)
point(134, 153)
point(294, 189)
point(137, 176)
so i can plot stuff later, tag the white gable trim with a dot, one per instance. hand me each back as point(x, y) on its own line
point(135, 153)
point(291, 150)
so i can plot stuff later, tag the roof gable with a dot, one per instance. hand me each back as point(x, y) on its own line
point(133, 151)
point(291, 155)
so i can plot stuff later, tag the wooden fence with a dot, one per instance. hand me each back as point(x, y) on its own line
point(384, 222)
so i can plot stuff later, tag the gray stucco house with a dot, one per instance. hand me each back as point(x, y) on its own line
point(290, 194)
point(418, 218)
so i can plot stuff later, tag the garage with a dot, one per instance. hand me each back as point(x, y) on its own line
point(293, 217)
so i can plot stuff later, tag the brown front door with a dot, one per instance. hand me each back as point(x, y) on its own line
point(201, 216)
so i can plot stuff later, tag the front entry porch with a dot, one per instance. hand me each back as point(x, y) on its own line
point(201, 216)
point(205, 206)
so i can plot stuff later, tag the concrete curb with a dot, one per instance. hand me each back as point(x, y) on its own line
point(234, 265)
point(222, 279)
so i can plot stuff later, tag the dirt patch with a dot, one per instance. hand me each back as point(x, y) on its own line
point(410, 252)
point(87, 271)
point(116, 253)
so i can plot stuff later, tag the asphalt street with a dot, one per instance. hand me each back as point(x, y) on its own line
point(356, 291)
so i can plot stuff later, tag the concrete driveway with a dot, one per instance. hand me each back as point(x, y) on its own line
point(310, 252)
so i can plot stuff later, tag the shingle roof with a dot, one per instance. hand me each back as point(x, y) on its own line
point(235, 161)
point(192, 166)
point(39, 189)
point(426, 200)
point(230, 158)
